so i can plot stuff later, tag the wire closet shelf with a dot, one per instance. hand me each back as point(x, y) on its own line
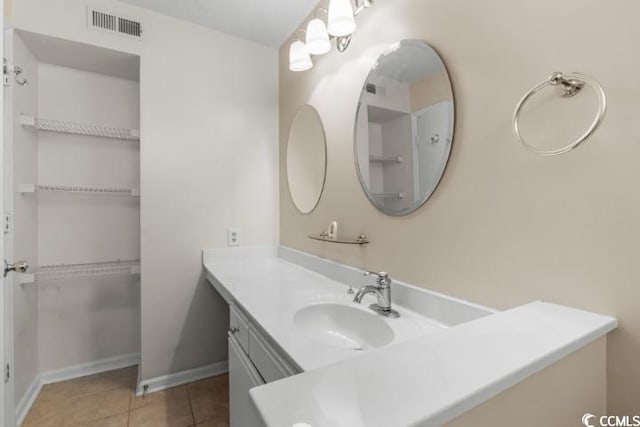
point(78, 189)
point(76, 128)
point(58, 272)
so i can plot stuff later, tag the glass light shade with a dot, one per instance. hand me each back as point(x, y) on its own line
point(317, 37)
point(299, 58)
point(341, 20)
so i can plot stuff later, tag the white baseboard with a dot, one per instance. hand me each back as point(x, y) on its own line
point(70, 373)
point(28, 399)
point(91, 368)
point(172, 380)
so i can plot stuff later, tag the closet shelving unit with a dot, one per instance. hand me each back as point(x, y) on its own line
point(50, 273)
point(75, 128)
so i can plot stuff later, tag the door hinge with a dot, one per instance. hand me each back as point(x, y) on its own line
point(7, 373)
point(5, 72)
point(7, 223)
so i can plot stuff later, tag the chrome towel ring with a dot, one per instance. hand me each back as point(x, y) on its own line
point(570, 84)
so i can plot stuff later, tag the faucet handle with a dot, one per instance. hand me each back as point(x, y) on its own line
point(382, 277)
point(373, 273)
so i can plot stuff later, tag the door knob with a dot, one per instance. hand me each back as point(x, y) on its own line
point(19, 267)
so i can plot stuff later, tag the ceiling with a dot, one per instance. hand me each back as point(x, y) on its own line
point(267, 22)
point(414, 60)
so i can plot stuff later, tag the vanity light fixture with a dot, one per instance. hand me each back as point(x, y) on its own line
point(342, 21)
point(318, 42)
point(299, 58)
point(341, 24)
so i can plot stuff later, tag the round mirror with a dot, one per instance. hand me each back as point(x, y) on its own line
point(404, 127)
point(306, 159)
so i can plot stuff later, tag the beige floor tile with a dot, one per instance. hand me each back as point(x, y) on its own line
point(108, 400)
point(97, 405)
point(34, 420)
point(59, 393)
point(50, 407)
point(214, 423)
point(162, 415)
point(176, 396)
point(120, 420)
point(210, 399)
point(167, 408)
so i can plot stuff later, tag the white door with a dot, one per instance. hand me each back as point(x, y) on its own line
point(432, 130)
point(6, 334)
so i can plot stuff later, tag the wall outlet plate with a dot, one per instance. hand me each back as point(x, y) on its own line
point(233, 236)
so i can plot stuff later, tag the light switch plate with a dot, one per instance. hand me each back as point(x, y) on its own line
point(233, 236)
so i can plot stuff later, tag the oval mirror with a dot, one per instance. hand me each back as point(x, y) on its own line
point(404, 127)
point(306, 159)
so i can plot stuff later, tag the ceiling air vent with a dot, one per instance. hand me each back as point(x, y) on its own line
point(102, 21)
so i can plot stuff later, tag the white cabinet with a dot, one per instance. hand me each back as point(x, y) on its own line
point(269, 363)
point(242, 377)
point(253, 361)
point(239, 328)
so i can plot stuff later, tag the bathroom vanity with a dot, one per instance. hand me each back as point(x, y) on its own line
point(301, 351)
point(285, 319)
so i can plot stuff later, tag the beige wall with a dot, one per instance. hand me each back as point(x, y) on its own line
point(550, 397)
point(208, 158)
point(504, 227)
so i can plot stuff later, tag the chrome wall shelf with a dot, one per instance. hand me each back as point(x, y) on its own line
point(386, 159)
point(360, 240)
point(47, 273)
point(80, 128)
point(388, 195)
point(77, 189)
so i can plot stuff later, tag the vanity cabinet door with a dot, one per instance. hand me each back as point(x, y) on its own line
point(239, 327)
point(243, 376)
point(269, 365)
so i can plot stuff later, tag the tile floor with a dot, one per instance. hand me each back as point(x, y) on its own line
point(109, 400)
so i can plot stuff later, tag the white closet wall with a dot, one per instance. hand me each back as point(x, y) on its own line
point(87, 319)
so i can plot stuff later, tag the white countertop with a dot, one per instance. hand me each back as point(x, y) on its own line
point(271, 290)
point(432, 375)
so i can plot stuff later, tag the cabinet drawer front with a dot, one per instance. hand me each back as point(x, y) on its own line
point(242, 377)
point(268, 364)
point(239, 328)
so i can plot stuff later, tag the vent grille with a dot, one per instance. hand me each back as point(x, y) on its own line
point(103, 21)
point(129, 27)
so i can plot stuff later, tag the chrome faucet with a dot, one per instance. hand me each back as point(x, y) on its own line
point(382, 292)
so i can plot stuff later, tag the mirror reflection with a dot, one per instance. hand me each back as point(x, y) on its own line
point(404, 127)
point(306, 159)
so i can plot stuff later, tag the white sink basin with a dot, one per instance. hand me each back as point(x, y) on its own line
point(343, 326)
